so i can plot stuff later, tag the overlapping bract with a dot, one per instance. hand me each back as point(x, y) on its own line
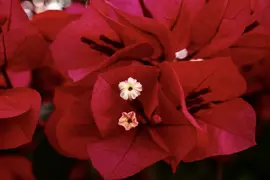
point(239, 29)
point(189, 108)
point(19, 104)
point(197, 102)
point(9, 168)
point(24, 62)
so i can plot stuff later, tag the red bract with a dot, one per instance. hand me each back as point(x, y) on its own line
point(50, 23)
point(132, 7)
point(2, 19)
point(237, 29)
point(64, 100)
point(75, 8)
point(211, 97)
point(167, 13)
point(19, 116)
point(67, 107)
point(19, 78)
point(71, 51)
point(134, 29)
point(83, 133)
point(176, 15)
point(188, 21)
point(22, 47)
point(15, 167)
point(251, 54)
point(86, 131)
point(20, 38)
point(230, 22)
point(187, 27)
point(159, 135)
point(197, 114)
point(178, 119)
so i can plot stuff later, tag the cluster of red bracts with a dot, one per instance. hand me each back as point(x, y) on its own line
point(134, 82)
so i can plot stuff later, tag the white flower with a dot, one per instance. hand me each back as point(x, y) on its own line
point(38, 3)
point(29, 13)
point(28, 8)
point(181, 54)
point(128, 120)
point(54, 6)
point(130, 89)
point(41, 6)
point(39, 9)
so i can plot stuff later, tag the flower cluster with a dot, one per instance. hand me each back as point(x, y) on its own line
point(131, 83)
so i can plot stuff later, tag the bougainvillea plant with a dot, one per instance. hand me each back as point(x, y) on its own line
point(138, 89)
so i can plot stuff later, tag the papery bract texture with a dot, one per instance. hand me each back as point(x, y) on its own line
point(50, 23)
point(9, 168)
point(183, 111)
point(192, 105)
point(19, 116)
point(77, 54)
point(20, 38)
point(212, 98)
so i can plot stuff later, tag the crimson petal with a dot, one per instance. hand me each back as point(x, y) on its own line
point(157, 30)
point(164, 11)
point(125, 155)
point(76, 128)
point(132, 7)
point(9, 168)
point(203, 29)
point(181, 27)
point(50, 23)
point(18, 128)
point(91, 25)
point(230, 128)
point(234, 22)
point(208, 74)
point(65, 99)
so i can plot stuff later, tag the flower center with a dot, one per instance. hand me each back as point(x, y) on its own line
point(130, 89)
point(129, 120)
